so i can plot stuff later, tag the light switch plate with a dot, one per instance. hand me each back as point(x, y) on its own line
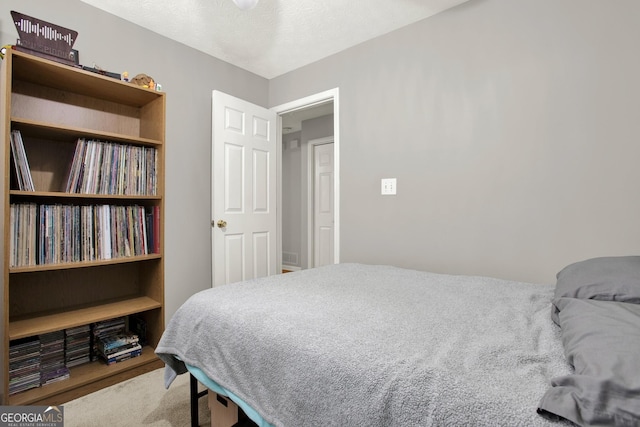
point(388, 186)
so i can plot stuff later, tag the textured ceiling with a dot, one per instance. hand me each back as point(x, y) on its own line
point(276, 36)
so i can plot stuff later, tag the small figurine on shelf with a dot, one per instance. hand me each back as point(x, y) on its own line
point(125, 76)
point(143, 80)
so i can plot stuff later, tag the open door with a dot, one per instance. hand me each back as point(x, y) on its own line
point(244, 187)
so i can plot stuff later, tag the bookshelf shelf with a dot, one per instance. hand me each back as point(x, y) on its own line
point(51, 130)
point(80, 196)
point(54, 107)
point(84, 264)
point(50, 322)
point(40, 71)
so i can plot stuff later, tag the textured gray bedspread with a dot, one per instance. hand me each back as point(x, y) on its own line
point(361, 345)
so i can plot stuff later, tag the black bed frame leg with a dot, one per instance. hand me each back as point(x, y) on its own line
point(193, 399)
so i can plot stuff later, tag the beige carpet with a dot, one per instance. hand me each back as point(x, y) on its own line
point(140, 401)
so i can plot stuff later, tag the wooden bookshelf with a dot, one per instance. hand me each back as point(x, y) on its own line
point(53, 105)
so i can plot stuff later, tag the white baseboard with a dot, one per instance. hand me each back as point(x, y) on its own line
point(291, 268)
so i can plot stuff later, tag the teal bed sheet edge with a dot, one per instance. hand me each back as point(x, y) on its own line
point(212, 385)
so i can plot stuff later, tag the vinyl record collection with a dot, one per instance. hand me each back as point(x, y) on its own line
point(51, 234)
point(102, 167)
point(59, 233)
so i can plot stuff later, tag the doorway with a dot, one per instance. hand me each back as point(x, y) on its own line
point(296, 240)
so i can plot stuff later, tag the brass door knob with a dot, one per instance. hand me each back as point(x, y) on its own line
point(222, 223)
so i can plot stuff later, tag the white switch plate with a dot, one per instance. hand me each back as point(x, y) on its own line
point(388, 186)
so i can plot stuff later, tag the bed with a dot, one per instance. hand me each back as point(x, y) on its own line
point(375, 345)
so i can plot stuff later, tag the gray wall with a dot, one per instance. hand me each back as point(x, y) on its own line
point(511, 126)
point(188, 76)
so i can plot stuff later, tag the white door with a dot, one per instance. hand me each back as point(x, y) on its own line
point(323, 219)
point(244, 223)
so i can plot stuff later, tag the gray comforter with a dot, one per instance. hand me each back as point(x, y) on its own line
point(361, 345)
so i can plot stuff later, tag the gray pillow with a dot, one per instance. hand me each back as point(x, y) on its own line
point(602, 342)
point(605, 279)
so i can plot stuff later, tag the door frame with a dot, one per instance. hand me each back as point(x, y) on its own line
point(309, 101)
point(311, 195)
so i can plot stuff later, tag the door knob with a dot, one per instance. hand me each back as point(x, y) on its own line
point(222, 223)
